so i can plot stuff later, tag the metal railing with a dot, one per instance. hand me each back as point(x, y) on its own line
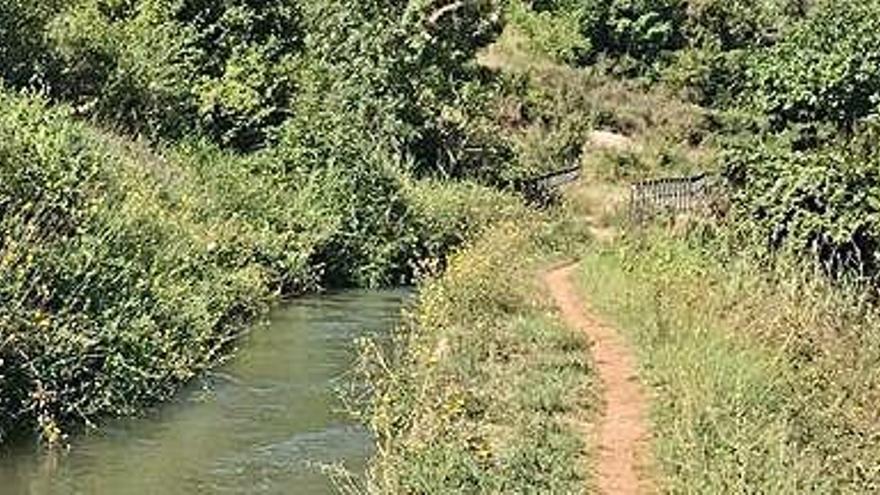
point(542, 188)
point(673, 195)
point(694, 194)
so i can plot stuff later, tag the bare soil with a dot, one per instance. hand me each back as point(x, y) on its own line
point(610, 141)
point(623, 432)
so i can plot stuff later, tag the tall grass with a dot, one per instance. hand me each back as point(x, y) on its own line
point(761, 384)
point(484, 389)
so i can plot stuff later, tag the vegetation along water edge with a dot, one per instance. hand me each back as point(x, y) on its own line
point(169, 169)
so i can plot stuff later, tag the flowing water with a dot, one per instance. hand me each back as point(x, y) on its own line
point(263, 424)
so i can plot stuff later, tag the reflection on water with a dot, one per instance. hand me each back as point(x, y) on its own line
point(258, 426)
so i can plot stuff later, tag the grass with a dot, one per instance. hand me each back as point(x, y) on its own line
point(485, 390)
point(760, 384)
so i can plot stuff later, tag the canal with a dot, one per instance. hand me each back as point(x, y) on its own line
point(264, 423)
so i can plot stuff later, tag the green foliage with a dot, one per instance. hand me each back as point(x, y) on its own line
point(377, 239)
point(404, 73)
point(168, 67)
point(450, 214)
point(635, 33)
point(803, 170)
point(707, 75)
point(822, 205)
point(825, 70)
point(693, 44)
point(125, 271)
point(110, 299)
point(23, 51)
point(235, 71)
point(739, 24)
point(711, 68)
point(555, 33)
point(642, 30)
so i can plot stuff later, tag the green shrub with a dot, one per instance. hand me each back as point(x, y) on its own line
point(708, 76)
point(820, 204)
point(633, 33)
point(550, 31)
point(696, 45)
point(825, 70)
point(711, 68)
point(24, 53)
point(448, 214)
point(111, 299)
point(125, 271)
point(401, 75)
point(236, 71)
point(641, 29)
point(738, 24)
point(166, 68)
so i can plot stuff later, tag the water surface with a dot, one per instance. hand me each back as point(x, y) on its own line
point(259, 425)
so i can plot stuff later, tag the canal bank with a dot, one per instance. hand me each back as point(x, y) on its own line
point(264, 423)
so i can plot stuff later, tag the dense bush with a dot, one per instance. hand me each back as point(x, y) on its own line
point(819, 204)
point(165, 68)
point(634, 33)
point(401, 74)
point(553, 32)
point(642, 30)
point(825, 70)
point(805, 178)
point(711, 68)
point(24, 51)
point(125, 271)
point(110, 299)
point(234, 71)
point(696, 45)
point(736, 24)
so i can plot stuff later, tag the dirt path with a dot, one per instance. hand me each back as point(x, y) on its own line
point(623, 430)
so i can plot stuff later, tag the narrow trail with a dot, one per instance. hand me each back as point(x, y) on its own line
point(623, 430)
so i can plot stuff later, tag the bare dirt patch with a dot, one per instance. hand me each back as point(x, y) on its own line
point(610, 141)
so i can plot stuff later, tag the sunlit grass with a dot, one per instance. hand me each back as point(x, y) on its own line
point(757, 386)
point(488, 391)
